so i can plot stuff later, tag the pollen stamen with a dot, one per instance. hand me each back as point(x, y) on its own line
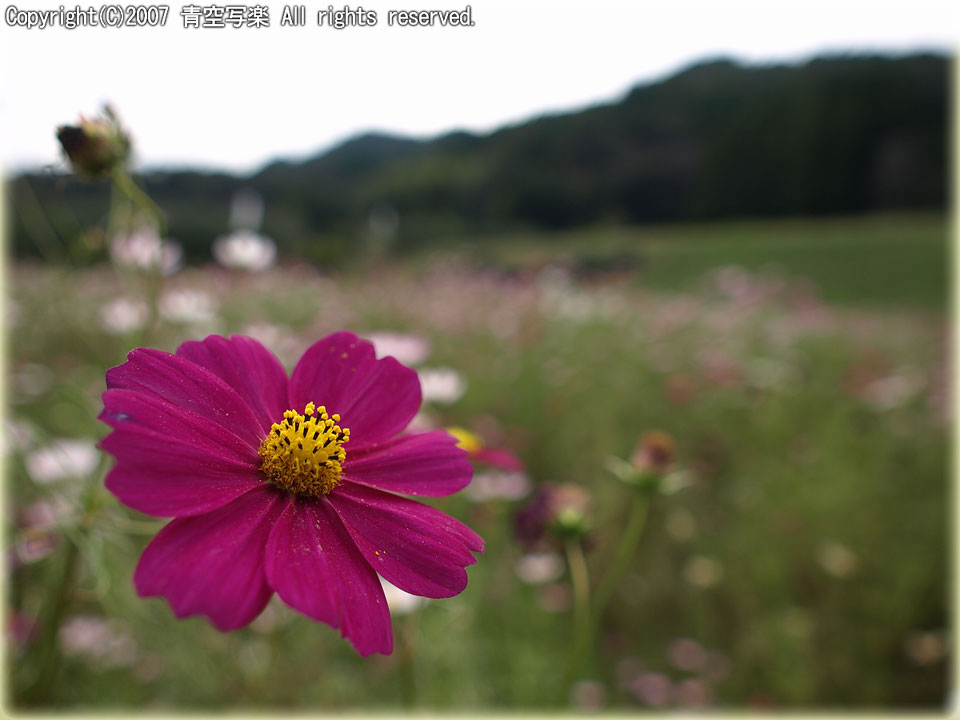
point(304, 454)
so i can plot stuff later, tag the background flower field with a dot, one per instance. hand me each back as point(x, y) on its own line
point(800, 563)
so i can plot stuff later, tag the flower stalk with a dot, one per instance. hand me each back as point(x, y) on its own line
point(629, 540)
point(580, 649)
point(52, 616)
point(140, 200)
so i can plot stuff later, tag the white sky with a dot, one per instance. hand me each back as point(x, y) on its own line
point(235, 99)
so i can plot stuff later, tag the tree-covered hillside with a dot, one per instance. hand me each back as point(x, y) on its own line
point(835, 135)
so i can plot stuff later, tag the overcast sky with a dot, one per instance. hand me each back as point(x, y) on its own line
point(236, 98)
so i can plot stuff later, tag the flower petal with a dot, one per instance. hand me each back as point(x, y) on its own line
point(249, 368)
point(315, 567)
point(170, 461)
point(416, 547)
point(428, 464)
point(376, 398)
point(189, 386)
point(498, 458)
point(212, 564)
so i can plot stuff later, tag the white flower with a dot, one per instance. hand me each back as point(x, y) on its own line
point(837, 559)
point(61, 459)
point(407, 349)
point(144, 250)
point(540, 568)
point(269, 335)
point(399, 601)
point(188, 306)
point(33, 379)
point(702, 572)
point(245, 250)
point(19, 435)
point(681, 525)
point(497, 485)
point(441, 385)
point(895, 390)
point(108, 643)
point(121, 316)
point(926, 648)
point(422, 422)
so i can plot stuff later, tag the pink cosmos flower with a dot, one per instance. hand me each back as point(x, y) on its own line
point(478, 450)
point(285, 485)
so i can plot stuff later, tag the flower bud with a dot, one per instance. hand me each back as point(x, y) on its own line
point(654, 453)
point(650, 464)
point(569, 511)
point(95, 147)
point(560, 511)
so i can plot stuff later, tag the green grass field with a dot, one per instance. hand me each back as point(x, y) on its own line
point(803, 567)
point(887, 261)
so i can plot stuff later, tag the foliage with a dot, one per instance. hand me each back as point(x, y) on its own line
point(807, 555)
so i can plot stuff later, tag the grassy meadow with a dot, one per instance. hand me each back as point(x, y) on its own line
point(801, 563)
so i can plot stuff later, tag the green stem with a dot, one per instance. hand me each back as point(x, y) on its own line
point(123, 182)
point(138, 197)
point(624, 554)
point(580, 649)
point(48, 648)
point(38, 226)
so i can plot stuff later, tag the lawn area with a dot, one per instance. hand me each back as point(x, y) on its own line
point(891, 261)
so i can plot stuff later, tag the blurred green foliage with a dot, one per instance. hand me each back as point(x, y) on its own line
point(807, 557)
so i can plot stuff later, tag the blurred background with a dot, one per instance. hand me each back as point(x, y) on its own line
point(727, 224)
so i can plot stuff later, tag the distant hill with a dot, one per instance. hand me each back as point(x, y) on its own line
point(834, 135)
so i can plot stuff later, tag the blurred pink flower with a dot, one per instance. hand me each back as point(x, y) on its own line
point(687, 654)
point(480, 452)
point(652, 689)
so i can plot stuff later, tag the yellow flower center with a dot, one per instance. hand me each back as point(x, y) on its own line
point(304, 454)
point(466, 440)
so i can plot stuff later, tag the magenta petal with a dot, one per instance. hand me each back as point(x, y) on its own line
point(498, 458)
point(186, 385)
point(249, 368)
point(416, 547)
point(428, 464)
point(170, 461)
point(314, 566)
point(212, 564)
point(375, 398)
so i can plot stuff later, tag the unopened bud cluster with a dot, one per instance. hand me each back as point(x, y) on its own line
point(95, 147)
point(651, 462)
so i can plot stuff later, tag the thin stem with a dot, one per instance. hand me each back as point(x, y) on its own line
point(624, 554)
point(48, 650)
point(38, 226)
point(138, 197)
point(123, 182)
point(581, 647)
